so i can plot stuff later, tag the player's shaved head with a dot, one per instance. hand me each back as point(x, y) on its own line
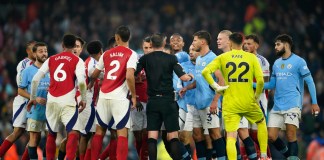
point(69, 41)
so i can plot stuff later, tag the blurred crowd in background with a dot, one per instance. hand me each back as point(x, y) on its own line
point(47, 21)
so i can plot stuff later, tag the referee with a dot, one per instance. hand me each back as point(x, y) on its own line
point(162, 107)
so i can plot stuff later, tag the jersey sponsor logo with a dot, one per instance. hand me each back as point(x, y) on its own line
point(289, 66)
point(283, 75)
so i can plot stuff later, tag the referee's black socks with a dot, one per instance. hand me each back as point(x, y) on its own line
point(152, 148)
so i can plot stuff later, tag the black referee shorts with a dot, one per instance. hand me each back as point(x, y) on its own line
point(162, 109)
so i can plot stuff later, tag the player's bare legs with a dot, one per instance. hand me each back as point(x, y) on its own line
point(184, 137)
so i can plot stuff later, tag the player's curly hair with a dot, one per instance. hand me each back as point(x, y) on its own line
point(94, 47)
point(285, 38)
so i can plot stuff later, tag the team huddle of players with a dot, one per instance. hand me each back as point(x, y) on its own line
point(225, 92)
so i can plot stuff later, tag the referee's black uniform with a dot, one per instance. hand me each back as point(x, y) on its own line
point(161, 106)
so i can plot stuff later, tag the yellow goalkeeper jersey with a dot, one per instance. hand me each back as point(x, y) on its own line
point(239, 69)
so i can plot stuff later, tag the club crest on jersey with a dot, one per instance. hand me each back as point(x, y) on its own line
point(282, 66)
point(203, 64)
point(289, 66)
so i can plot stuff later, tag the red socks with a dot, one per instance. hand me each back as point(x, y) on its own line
point(105, 153)
point(87, 154)
point(4, 147)
point(71, 145)
point(96, 146)
point(25, 156)
point(81, 156)
point(122, 148)
point(113, 149)
point(50, 146)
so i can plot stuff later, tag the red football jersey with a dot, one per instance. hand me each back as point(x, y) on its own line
point(115, 63)
point(62, 73)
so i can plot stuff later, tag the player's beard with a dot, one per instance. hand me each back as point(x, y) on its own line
point(41, 59)
point(280, 52)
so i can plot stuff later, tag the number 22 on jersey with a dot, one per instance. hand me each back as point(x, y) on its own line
point(239, 78)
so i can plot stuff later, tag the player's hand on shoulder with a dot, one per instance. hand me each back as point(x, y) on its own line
point(30, 104)
point(82, 105)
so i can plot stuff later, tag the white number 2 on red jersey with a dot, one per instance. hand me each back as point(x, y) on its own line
point(59, 70)
point(109, 74)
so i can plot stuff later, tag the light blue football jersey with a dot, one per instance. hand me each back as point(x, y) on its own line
point(38, 112)
point(204, 93)
point(189, 97)
point(289, 82)
point(177, 85)
point(182, 56)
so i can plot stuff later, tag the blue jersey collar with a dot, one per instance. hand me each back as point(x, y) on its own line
point(288, 57)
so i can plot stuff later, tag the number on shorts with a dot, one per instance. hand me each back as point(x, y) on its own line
point(239, 79)
point(58, 71)
point(112, 71)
